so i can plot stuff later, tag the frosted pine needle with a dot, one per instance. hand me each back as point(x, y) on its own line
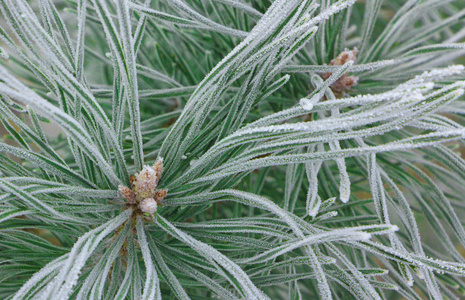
point(356, 193)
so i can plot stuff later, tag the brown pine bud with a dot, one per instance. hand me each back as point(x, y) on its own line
point(145, 183)
point(132, 179)
point(127, 194)
point(160, 195)
point(344, 57)
point(344, 82)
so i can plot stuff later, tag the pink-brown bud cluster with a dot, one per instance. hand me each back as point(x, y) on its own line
point(345, 82)
point(143, 192)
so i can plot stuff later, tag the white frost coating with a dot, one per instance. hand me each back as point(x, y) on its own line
point(395, 228)
point(411, 93)
point(4, 54)
point(19, 91)
point(56, 66)
point(319, 92)
point(51, 95)
point(398, 92)
point(459, 92)
point(98, 276)
point(344, 189)
point(242, 6)
point(405, 144)
point(69, 265)
point(326, 216)
point(149, 206)
point(168, 274)
point(313, 199)
point(31, 26)
point(32, 202)
point(294, 48)
point(248, 288)
point(206, 21)
point(438, 74)
point(145, 183)
point(313, 203)
point(348, 234)
point(126, 61)
point(416, 96)
point(425, 262)
point(307, 104)
point(394, 111)
point(64, 282)
point(330, 69)
point(333, 9)
point(205, 97)
point(152, 283)
point(262, 203)
point(39, 276)
point(344, 185)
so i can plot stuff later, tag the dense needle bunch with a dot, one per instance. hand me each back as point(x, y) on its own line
point(312, 149)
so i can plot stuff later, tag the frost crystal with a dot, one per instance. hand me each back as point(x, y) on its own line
point(3, 53)
point(438, 74)
point(149, 206)
point(143, 194)
point(306, 103)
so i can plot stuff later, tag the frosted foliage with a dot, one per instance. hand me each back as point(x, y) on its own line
point(249, 289)
point(151, 286)
point(308, 103)
point(67, 123)
point(438, 74)
point(313, 200)
point(3, 53)
point(344, 190)
point(231, 149)
point(70, 268)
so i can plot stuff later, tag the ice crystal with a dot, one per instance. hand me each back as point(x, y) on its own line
point(148, 205)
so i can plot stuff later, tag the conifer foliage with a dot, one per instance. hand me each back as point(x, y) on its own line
point(232, 149)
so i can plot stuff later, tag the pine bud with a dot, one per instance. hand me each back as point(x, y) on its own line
point(148, 205)
point(158, 168)
point(160, 195)
point(127, 194)
point(145, 183)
